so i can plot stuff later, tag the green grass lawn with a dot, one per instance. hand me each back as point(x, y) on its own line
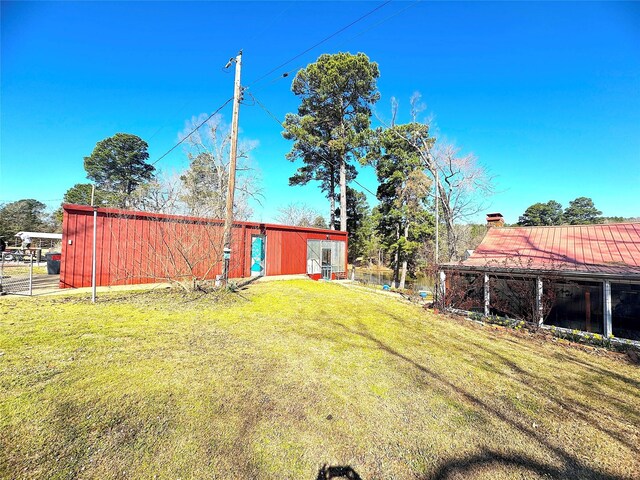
point(288, 376)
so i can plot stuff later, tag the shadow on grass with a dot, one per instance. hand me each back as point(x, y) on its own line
point(329, 472)
point(575, 407)
point(572, 467)
point(629, 381)
point(466, 466)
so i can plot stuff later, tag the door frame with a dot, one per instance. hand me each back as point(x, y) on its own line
point(264, 254)
point(323, 269)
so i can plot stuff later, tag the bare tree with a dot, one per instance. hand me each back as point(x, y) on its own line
point(463, 291)
point(299, 214)
point(161, 195)
point(512, 295)
point(469, 236)
point(462, 183)
point(184, 251)
point(463, 186)
point(204, 183)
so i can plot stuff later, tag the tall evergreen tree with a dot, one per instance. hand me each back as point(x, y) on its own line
point(23, 215)
point(405, 224)
point(542, 214)
point(331, 127)
point(118, 165)
point(80, 194)
point(582, 211)
point(357, 212)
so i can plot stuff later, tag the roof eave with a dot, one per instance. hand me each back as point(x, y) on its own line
point(633, 276)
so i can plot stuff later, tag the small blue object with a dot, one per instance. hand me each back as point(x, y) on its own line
point(386, 287)
point(423, 294)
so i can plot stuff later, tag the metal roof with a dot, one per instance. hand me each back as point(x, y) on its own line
point(43, 235)
point(610, 249)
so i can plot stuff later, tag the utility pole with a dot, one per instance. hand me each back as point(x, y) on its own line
point(228, 223)
point(435, 173)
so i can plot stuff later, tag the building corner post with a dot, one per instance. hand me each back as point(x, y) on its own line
point(608, 327)
point(487, 295)
point(539, 302)
point(441, 288)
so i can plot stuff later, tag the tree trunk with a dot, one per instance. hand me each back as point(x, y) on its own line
point(332, 203)
point(403, 275)
point(343, 195)
point(396, 268)
point(452, 240)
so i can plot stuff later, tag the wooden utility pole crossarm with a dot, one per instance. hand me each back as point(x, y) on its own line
point(228, 223)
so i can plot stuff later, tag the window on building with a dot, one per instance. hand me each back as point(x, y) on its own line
point(578, 306)
point(625, 310)
point(465, 291)
point(324, 253)
point(513, 297)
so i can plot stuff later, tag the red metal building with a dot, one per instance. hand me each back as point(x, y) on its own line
point(141, 247)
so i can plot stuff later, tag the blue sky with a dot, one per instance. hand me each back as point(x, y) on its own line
point(547, 95)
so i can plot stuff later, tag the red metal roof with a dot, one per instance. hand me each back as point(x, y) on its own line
point(602, 249)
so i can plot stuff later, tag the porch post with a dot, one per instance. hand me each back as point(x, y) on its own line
point(608, 330)
point(441, 289)
point(487, 295)
point(539, 305)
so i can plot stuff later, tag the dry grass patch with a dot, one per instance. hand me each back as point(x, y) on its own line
point(288, 376)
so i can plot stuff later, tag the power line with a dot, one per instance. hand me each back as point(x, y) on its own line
point(270, 22)
point(192, 131)
point(300, 66)
point(165, 124)
point(329, 37)
point(286, 74)
point(329, 161)
point(412, 4)
point(282, 76)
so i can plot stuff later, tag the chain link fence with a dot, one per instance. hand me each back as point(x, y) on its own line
point(16, 275)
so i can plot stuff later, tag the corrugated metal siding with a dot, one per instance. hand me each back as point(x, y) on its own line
point(137, 247)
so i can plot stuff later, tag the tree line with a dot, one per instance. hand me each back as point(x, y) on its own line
point(418, 174)
point(123, 178)
point(331, 133)
point(581, 211)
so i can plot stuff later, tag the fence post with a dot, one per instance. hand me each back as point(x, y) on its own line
point(93, 255)
point(1, 272)
point(31, 275)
